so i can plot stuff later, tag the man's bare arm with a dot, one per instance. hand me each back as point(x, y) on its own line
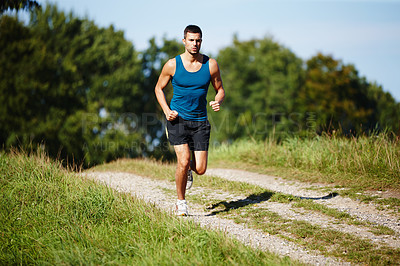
point(216, 81)
point(163, 80)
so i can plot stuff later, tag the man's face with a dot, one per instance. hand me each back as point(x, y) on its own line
point(192, 42)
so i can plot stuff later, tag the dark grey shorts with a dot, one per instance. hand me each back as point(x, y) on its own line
point(194, 133)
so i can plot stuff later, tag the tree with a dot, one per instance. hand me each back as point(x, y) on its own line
point(72, 86)
point(261, 79)
point(340, 98)
point(17, 5)
point(19, 86)
point(386, 115)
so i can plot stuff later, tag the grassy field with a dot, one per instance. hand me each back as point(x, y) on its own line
point(358, 163)
point(49, 215)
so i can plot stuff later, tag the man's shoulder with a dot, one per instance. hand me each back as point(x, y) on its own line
point(213, 65)
point(169, 66)
point(171, 61)
point(212, 61)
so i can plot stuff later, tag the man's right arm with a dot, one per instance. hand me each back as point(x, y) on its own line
point(163, 80)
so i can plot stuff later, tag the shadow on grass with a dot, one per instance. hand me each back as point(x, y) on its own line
point(255, 199)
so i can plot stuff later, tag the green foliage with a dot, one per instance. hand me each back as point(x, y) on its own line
point(343, 100)
point(269, 92)
point(6, 5)
point(261, 79)
point(77, 88)
point(386, 113)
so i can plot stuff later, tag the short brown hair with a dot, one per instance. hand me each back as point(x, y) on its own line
point(192, 29)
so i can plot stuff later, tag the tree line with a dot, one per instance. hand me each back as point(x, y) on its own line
point(86, 95)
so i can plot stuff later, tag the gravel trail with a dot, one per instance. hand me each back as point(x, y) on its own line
point(156, 192)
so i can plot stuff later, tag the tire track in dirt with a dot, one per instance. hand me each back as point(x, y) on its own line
point(362, 211)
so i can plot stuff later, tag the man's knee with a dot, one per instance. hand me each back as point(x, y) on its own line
point(184, 162)
point(201, 170)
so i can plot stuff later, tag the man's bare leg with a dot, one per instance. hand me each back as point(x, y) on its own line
point(183, 156)
point(199, 162)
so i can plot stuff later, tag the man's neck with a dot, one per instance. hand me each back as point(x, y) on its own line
point(192, 57)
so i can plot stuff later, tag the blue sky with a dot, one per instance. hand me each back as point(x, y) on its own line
point(360, 32)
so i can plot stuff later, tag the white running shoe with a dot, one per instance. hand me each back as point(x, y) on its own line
point(181, 208)
point(189, 179)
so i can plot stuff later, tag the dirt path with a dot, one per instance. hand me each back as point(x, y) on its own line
point(365, 212)
point(161, 193)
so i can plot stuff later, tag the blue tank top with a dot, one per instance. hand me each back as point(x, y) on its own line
point(190, 91)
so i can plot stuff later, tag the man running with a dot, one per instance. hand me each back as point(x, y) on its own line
point(188, 128)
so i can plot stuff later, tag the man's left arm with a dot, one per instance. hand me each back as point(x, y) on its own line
point(216, 81)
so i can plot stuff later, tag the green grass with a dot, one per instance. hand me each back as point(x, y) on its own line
point(49, 215)
point(359, 163)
